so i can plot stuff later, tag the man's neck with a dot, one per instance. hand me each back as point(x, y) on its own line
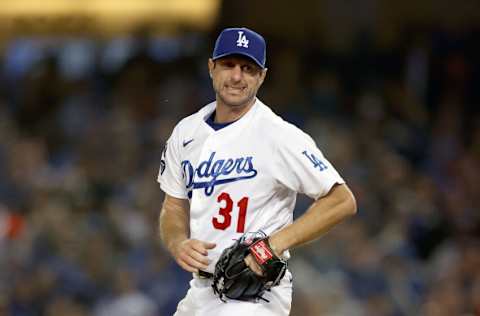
point(226, 114)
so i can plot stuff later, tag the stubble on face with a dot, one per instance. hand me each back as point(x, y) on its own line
point(233, 87)
point(234, 100)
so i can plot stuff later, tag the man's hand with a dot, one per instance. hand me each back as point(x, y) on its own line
point(191, 254)
point(248, 268)
point(253, 265)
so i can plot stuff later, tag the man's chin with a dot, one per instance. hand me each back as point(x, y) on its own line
point(235, 101)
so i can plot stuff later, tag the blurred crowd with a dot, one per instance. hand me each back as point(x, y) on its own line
point(83, 123)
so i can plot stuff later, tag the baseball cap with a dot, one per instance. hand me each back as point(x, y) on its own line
point(242, 41)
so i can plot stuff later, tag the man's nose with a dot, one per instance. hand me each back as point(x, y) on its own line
point(237, 73)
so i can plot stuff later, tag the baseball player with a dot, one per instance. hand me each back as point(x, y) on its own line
point(234, 167)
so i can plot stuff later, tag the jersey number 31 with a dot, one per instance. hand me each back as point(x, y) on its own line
point(224, 220)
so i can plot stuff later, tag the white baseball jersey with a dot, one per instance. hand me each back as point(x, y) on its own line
point(243, 177)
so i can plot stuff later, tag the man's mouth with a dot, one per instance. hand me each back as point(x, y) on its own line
point(235, 89)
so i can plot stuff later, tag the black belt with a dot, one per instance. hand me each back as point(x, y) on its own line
point(205, 274)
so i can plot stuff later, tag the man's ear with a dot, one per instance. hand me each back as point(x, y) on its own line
point(263, 75)
point(211, 65)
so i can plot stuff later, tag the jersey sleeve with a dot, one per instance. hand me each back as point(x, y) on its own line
point(170, 175)
point(301, 166)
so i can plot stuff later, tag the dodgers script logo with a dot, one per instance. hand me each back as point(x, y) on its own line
point(213, 171)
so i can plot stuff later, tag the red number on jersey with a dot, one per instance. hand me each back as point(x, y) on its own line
point(242, 205)
point(226, 211)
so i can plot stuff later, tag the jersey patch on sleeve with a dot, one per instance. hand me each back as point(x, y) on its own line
point(315, 161)
point(162, 160)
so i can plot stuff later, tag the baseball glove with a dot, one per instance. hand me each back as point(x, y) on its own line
point(233, 279)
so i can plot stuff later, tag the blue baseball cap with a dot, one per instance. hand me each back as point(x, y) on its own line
point(242, 41)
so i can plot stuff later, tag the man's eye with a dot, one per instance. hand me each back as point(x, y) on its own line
point(250, 69)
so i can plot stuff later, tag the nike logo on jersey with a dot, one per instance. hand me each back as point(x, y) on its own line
point(212, 172)
point(186, 142)
point(316, 162)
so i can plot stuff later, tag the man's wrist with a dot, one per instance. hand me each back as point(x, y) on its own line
point(175, 244)
point(274, 246)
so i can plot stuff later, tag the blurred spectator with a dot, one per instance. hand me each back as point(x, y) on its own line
point(128, 301)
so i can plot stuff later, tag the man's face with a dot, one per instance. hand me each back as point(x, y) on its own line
point(236, 79)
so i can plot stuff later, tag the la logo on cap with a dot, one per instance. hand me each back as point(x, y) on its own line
point(242, 40)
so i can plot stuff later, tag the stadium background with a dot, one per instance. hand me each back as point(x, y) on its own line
point(90, 90)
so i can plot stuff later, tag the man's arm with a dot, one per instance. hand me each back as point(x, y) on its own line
point(321, 216)
point(190, 254)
